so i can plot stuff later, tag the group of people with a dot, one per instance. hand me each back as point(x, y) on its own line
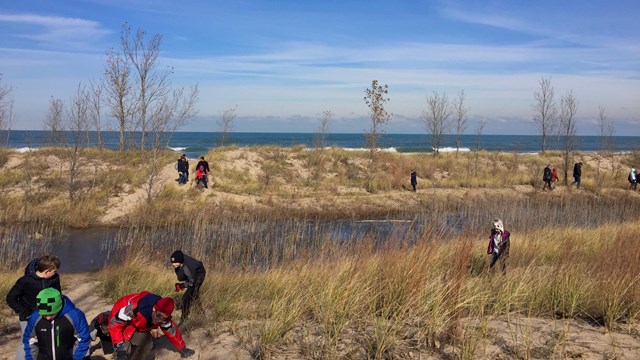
point(550, 176)
point(202, 171)
point(54, 328)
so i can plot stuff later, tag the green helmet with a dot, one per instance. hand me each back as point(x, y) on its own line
point(49, 301)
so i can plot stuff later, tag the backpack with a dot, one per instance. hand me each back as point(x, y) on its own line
point(547, 174)
point(31, 266)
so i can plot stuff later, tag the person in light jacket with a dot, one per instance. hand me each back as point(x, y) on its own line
point(498, 245)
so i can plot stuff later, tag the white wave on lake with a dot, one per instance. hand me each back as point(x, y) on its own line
point(25, 149)
point(391, 149)
point(178, 149)
point(452, 149)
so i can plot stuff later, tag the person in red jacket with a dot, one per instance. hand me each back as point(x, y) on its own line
point(134, 316)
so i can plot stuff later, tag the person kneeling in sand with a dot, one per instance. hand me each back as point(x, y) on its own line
point(132, 319)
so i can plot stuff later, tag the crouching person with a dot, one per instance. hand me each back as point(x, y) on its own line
point(132, 319)
point(99, 329)
point(59, 328)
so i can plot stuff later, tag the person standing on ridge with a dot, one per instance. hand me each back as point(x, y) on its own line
point(633, 179)
point(134, 316)
point(205, 167)
point(546, 177)
point(60, 328)
point(191, 274)
point(577, 174)
point(499, 245)
point(554, 177)
point(414, 180)
point(40, 273)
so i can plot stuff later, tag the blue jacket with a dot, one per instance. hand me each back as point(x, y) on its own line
point(65, 337)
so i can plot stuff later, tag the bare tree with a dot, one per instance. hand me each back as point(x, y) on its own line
point(95, 108)
point(607, 145)
point(173, 111)
point(545, 110)
point(568, 110)
point(53, 121)
point(481, 124)
point(6, 110)
point(77, 123)
point(460, 112)
point(152, 84)
point(118, 91)
point(320, 137)
point(226, 123)
point(436, 117)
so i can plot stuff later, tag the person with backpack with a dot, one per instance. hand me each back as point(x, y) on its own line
point(546, 177)
point(633, 179)
point(41, 273)
point(191, 274)
point(499, 244)
point(132, 319)
point(60, 328)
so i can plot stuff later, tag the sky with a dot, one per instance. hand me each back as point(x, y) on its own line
point(283, 63)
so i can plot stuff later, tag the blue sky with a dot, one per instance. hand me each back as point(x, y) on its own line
point(285, 62)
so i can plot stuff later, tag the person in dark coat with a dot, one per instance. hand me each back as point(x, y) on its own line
point(546, 177)
point(99, 329)
point(577, 174)
point(40, 273)
point(191, 274)
point(414, 180)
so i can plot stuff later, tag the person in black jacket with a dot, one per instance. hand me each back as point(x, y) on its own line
point(191, 274)
point(99, 329)
point(546, 177)
point(577, 174)
point(205, 167)
point(183, 169)
point(40, 273)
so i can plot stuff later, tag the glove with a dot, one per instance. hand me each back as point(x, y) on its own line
point(121, 352)
point(186, 352)
point(180, 286)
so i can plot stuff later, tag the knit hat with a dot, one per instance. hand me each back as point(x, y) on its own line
point(165, 305)
point(177, 257)
point(497, 224)
point(49, 301)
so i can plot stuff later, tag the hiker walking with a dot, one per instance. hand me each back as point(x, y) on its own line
point(577, 174)
point(498, 245)
point(134, 316)
point(546, 177)
point(99, 329)
point(205, 168)
point(60, 328)
point(414, 180)
point(40, 273)
point(191, 274)
point(633, 179)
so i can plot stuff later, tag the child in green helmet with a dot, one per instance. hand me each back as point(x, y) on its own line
point(61, 329)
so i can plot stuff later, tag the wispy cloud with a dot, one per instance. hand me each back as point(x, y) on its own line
point(55, 31)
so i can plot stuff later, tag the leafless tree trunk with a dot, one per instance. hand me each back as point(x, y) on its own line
point(436, 118)
point(53, 122)
point(173, 111)
point(78, 126)
point(375, 98)
point(95, 109)
point(317, 157)
point(545, 110)
point(479, 130)
point(607, 145)
point(6, 111)
point(151, 83)
point(226, 123)
point(460, 112)
point(118, 91)
point(568, 110)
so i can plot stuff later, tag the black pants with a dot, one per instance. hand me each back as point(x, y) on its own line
point(189, 298)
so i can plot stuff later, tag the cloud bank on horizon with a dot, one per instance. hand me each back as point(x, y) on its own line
point(284, 62)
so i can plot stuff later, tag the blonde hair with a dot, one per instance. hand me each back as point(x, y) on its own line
point(497, 224)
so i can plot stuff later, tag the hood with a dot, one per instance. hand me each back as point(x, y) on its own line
point(67, 307)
